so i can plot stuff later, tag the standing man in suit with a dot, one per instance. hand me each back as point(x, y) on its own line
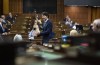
point(46, 33)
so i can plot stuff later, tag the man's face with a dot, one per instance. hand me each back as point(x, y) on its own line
point(43, 17)
point(10, 14)
point(3, 17)
point(4, 25)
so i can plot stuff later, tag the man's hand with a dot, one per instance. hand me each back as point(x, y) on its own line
point(4, 33)
point(38, 34)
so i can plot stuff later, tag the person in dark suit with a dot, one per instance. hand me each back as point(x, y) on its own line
point(3, 29)
point(10, 18)
point(4, 19)
point(46, 33)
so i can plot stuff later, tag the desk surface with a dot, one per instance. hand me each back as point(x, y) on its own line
point(40, 55)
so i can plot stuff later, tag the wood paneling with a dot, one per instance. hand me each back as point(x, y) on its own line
point(60, 10)
point(95, 13)
point(98, 12)
point(53, 17)
point(89, 15)
point(80, 14)
point(16, 6)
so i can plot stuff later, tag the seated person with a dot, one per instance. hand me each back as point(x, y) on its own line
point(3, 28)
point(66, 19)
point(33, 33)
point(4, 19)
point(70, 23)
point(10, 18)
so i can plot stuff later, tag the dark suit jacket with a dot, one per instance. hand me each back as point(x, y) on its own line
point(1, 29)
point(10, 19)
point(47, 32)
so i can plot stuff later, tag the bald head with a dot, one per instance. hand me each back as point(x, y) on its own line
point(73, 33)
point(96, 25)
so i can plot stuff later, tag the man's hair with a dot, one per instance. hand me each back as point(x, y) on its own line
point(46, 14)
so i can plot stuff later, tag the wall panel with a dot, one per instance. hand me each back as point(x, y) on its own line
point(80, 14)
point(95, 13)
point(5, 6)
point(15, 6)
point(60, 10)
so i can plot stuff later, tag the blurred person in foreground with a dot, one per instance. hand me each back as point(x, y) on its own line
point(74, 33)
point(96, 25)
point(46, 32)
point(96, 33)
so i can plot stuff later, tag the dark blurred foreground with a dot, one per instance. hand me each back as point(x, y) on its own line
point(16, 54)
